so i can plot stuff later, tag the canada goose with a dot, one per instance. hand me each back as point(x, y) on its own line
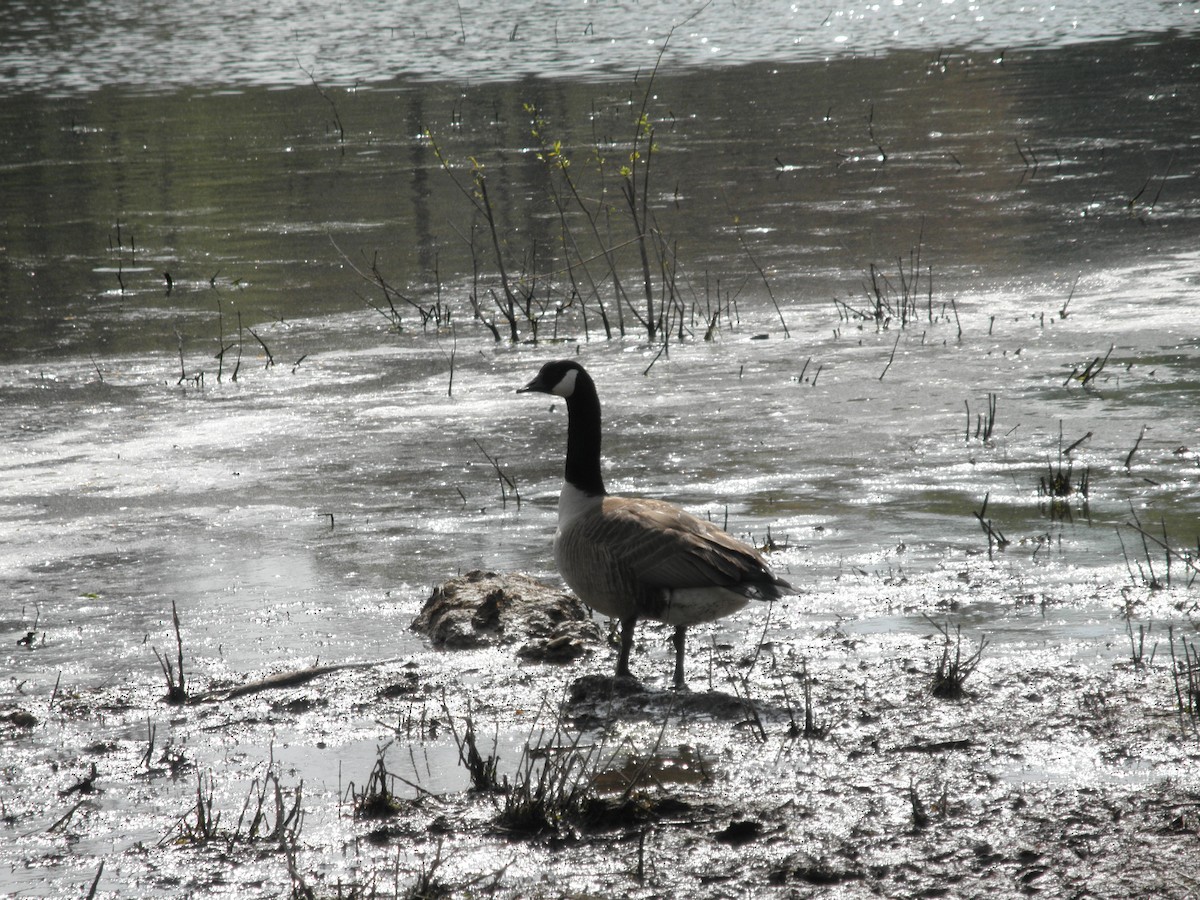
point(631, 558)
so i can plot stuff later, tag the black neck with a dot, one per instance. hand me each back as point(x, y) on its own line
point(583, 437)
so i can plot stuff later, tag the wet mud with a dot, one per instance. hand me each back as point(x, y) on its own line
point(816, 765)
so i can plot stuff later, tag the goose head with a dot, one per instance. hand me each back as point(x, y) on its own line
point(560, 377)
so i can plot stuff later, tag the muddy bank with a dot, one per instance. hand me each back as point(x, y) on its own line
point(836, 763)
point(821, 765)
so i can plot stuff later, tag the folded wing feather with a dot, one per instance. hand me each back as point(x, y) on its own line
point(670, 548)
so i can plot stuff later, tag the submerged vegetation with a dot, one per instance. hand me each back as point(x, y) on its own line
point(1057, 485)
point(613, 270)
point(953, 668)
point(269, 815)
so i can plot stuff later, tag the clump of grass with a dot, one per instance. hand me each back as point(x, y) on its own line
point(557, 786)
point(1185, 673)
point(953, 668)
point(995, 536)
point(427, 885)
point(482, 769)
point(984, 422)
point(266, 814)
point(1137, 645)
point(173, 673)
point(269, 814)
point(1059, 482)
point(385, 882)
point(613, 261)
point(200, 824)
point(553, 786)
point(899, 300)
point(518, 303)
point(1056, 483)
point(1147, 576)
point(810, 729)
point(376, 800)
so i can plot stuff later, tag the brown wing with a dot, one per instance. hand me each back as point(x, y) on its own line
point(669, 548)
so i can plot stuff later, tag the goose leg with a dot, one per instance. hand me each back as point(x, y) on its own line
point(680, 642)
point(626, 645)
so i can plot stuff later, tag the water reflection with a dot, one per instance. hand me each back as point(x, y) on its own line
point(1033, 172)
point(67, 47)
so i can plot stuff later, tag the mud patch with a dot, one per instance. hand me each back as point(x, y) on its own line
point(483, 608)
point(823, 761)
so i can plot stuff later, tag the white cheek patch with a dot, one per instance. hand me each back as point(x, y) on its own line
point(566, 386)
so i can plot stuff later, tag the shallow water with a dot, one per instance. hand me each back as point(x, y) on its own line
point(302, 511)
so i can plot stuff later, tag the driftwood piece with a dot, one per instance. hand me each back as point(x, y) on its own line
point(289, 679)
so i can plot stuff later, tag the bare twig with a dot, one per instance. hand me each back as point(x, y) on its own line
point(737, 227)
point(333, 106)
point(890, 358)
point(994, 535)
point(1134, 449)
point(96, 881)
point(507, 482)
point(266, 349)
